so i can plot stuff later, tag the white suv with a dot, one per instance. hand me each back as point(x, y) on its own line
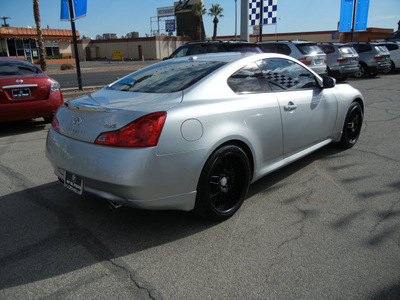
point(394, 49)
point(305, 51)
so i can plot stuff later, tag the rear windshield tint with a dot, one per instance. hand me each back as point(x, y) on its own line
point(12, 67)
point(166, 77)
point(307, 49)
point(346, 50)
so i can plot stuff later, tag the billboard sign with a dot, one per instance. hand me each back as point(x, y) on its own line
point(165, 11)
point(169, 25)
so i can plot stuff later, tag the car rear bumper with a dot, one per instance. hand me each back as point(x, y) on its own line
point(136, 177)
point(343, 71)
point(23, 110)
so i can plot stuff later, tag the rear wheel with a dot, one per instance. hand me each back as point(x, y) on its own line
point(223, 183)
point(362, 71)
point(352, 126)
point(390, 69)
point(48, 119)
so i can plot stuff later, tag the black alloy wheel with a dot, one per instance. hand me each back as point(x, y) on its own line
point(223, 183)
point(352, 125)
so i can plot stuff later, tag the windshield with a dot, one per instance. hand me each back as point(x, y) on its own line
point(15, 67)
point(166, 78)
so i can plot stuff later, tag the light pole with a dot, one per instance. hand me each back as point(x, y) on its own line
point(236, 20)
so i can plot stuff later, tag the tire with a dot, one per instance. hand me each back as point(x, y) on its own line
point(362, 71)
point(390, 69)
point(223, 183)
point(48, 119)
point(352, 126)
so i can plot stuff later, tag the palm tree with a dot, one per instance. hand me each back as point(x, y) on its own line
point(42, 53)
point(216, 11)
point(199, 10)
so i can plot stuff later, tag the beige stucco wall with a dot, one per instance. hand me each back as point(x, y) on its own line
point(151, 48)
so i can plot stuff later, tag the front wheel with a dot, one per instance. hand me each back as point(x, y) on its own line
point(223, 183)
point(352, 126)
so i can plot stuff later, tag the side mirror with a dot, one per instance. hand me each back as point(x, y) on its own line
point(328, 82)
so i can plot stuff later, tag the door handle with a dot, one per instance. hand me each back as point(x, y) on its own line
point(290, 106)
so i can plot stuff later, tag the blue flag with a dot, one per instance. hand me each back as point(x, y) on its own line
point(346, 15)
point(361, 15)
point(79, 7)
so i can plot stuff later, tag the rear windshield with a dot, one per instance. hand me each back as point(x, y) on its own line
point(307, 49)
point(347, 50)
point(166, 77)
point(14, 67)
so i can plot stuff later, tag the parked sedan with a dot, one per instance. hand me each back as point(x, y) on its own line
point(26, 92)
point(192, 133)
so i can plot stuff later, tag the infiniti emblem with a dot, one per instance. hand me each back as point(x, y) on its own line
point(19, 81)
point(76, 120)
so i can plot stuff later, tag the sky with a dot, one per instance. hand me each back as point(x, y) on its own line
point(123, 16)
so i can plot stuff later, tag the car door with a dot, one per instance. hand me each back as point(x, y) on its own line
point(308, 112)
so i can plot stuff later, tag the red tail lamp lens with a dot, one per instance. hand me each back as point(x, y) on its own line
point(143, 132)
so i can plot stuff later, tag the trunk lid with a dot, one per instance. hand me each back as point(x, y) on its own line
point(108, 110)
point(22, 88)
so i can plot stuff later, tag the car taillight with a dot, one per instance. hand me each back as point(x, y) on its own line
point(305, 61)
point(143, 132)
point(378, 57)
point(55, 124)
point(341, 60)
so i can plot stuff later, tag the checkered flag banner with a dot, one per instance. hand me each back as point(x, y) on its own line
point(269, 9)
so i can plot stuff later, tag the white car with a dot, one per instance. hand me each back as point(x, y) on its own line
point(192, 133)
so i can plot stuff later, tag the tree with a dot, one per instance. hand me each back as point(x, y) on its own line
point(199, 10)
point(42, 52)
point(216, 11)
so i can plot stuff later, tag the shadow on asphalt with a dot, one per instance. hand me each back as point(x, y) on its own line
point(48, 231)
point(22, 127)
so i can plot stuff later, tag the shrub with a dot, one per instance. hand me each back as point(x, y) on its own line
point(66, 67)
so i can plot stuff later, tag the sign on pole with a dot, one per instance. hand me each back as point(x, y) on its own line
point(265, 11)
point(165, 11)
point(169, 25)
point(79, 7)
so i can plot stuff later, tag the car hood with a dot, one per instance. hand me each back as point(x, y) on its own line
point(107, 110)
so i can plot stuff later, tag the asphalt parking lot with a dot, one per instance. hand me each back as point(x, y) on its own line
point(325, 227)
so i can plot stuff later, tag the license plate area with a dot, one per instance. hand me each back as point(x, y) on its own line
point(73, 182)
point(21, 93)
point(318, 61)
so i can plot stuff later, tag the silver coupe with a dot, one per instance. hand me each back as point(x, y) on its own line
point(193, 133)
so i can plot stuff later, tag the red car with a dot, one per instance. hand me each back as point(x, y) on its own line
point(26, 92)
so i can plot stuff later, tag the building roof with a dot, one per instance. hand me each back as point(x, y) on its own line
point(20, 32)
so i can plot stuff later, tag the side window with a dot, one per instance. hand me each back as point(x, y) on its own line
point(284, 74)
point(248, 80)
point(181, 52)
point(327, 49)
point(196, 49)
